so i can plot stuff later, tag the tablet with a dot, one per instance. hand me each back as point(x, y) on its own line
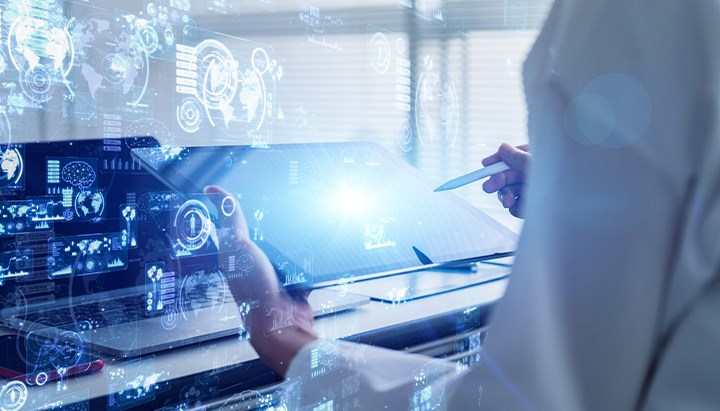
point(331, 212)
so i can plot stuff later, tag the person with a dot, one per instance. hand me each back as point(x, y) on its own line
point(615, 287)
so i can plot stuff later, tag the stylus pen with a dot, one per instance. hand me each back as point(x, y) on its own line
point(476, 175)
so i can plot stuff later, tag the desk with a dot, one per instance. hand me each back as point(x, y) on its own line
point(202, 373)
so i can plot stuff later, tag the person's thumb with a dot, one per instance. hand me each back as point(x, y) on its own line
point(215, 194)
point(515, 158)
point(232, 212)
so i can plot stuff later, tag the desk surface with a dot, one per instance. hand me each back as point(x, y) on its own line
point(376, 323)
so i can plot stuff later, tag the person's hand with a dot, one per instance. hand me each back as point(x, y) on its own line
point(276, 346)
point(510, 185)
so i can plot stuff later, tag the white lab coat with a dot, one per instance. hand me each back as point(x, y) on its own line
point(614, 302)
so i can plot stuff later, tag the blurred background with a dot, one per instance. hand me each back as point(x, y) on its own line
point(435, 81)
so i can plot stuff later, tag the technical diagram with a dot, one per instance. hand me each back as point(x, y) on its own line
point(429, 387)
point(128, 234)
point(86, 254)
point(68, 176)
point(377, 234)
point(428, 10)
point(29, 215)
point(78, 174)
point(135, 383)
point(232, 89)
point(14, 265)
point(192, 227)
point(323, 28)
point(324, 359)
point(160, 289)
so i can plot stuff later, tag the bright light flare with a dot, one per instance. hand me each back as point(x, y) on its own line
point(349, 201)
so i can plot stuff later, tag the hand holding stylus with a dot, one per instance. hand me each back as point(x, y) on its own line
point(510, 184)
point(474, 176)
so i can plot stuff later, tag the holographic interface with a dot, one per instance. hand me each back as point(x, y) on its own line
point(116, 115)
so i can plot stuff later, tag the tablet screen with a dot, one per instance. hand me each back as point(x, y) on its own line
point(329, 211)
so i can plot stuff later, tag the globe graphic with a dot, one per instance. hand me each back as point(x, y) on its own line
point(39, 46)
point(436, 109)
point(246, 112)
point(11, 167)
point(112, 63)
point(251, 96)
point(202, 291)
point(90, 204)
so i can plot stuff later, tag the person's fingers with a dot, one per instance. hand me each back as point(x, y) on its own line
point(268, 300)
point(515, 158)
point(516, 190)
point(301, 298)
point(495, 157)
point(512, 198)
point(500, 180)
point(494, 183)
point(510, 194)
point(218, 196)
point(265, 280)
point(517, 208)
point(507, 199)
point(300, 293)
point(491, 159)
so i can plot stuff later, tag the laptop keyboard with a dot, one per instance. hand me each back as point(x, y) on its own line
point(96, 315)
point(100, 314)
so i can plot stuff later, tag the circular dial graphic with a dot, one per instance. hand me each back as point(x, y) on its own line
point(189, 115)
point(217, 74)
point(13, 396)
point(228, 206)
point(380, 53)
point(192, 225)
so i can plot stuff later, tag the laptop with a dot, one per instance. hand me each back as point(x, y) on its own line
point(327, 213)
point(89, 252)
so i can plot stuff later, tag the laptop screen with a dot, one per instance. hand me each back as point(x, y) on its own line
point(75, 219)
point(324, 212)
